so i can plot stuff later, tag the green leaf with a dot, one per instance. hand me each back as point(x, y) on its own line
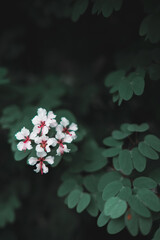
point(138, 128)
point(90, 183)
point(83, 202)
point(125, 90)
point(147, 151)
point(153, 141)
point(115, 207)
point(157, 234)
point(137, 84)
point(111, 189)
point(111, 152)
point(125, 162)
point(92, 208)
point(118, 135)
point(95, 165)
point(149, 199)
point(19, 155)
point(102, 220)
point(116, 163)
point(114, 77)
point(107, 178)
point(145, 225)
point(138, 207)
point(125, 193)
point(144, 182)
point(115, 225)
point(66, 187)
point(111, 142)
point(139, 161)
point(73, 198)
point(131, 221)
point(79, 8)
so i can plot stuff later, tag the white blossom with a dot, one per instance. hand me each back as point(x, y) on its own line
point(42, 122)
point(67, 129)
point(39, 161)
point(60, 139)
point(43, 143)
point(26, 138)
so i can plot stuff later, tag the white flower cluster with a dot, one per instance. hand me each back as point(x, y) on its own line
point(43, 122)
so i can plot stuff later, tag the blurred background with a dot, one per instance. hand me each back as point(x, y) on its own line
point(47, 54)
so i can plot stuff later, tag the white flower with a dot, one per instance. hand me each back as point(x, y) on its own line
point(24, 135)
point(44, 143)
point(66, 129)
point(40, 122)
point(60, 139)
point(40, 162)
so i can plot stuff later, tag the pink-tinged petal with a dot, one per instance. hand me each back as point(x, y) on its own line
point(20, 146)
point(38, 140)
point(54, 142)
point(37, 168)
point(36, 120)
point(60, 135)
point(28, 145)
point(53, 123)
point(45, 130)
point(73, 135)
point(41, 154)
point(49, 160)
point(51, 115)
point(41, 112)
point(68, 139)
point(50, 141)
point(64, 122)
point(19, 136)
point(25, 132)
point(32, 161)
point(44, 168)
point(65, 149)
point(33, 135)
point(59, 128)
point(73, 127)
point(59, 151)
point(48, 149)
point(36, 130)
point(39, 148)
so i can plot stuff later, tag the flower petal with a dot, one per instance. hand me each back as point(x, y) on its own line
point(65, 149)
point(41, 154)
point(37, 168)
point(32, 161)
point(73, 127)
point(45, 169)
point(19, 136)
point(64, 122)
point(41, 112)
point(60, 135)
point(28, 145)
point(25, 132)
point(49, 160)
point(45, 130)
point(68, 139)
point(20, 146)
point(59, 128)
point(54, 142)
point(39, 148)
point(36, 120)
